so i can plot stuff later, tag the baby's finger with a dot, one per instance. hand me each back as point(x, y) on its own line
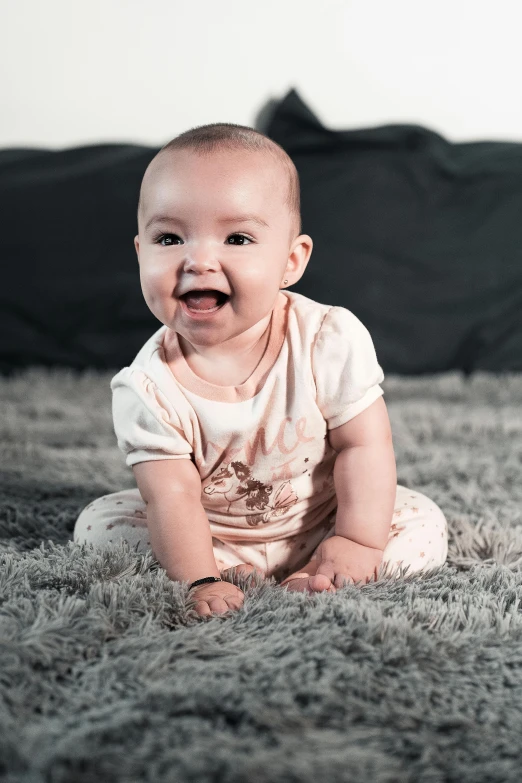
point(220, 605)
point(234, 601)
point(200, 607)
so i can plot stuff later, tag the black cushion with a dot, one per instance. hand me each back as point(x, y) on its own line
point(70, 293)
point(420, 237)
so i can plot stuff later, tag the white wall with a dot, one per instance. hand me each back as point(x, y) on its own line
point(89, 71)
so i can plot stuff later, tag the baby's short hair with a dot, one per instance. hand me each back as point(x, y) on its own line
point(205, 139)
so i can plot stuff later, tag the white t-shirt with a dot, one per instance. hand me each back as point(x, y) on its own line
point(260, 448)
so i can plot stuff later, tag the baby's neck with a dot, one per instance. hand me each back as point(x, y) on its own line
point(237, 352)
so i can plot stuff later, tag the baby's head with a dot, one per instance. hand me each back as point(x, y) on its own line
point(219, 210)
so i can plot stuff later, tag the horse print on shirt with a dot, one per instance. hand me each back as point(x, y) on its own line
point(235, 482)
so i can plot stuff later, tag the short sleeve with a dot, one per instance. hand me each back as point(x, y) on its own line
point(146, 425)
point(345, 367)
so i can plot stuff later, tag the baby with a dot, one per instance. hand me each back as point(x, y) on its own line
point(253, 419)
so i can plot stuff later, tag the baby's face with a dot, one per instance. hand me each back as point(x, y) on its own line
point(216, 222)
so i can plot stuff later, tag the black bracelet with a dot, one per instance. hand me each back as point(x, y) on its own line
point(205, 579)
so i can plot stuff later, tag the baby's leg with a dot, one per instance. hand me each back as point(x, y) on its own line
point(417, 541)
point(119, 516)
point(122, 516)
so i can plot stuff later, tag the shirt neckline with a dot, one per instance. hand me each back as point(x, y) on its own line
point(184, 374)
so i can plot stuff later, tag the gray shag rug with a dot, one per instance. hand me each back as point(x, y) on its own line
point(106, 674)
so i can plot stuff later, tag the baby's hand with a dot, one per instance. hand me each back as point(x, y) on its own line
point(215, 597)
point(340, 559)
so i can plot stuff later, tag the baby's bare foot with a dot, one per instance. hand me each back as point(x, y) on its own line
point(307, 580)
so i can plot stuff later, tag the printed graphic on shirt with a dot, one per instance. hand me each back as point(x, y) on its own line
point(235, 482)
point(285, 443)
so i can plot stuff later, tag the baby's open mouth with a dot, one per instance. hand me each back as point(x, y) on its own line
point(205, 300)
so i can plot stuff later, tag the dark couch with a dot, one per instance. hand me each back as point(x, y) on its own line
point(420, 237)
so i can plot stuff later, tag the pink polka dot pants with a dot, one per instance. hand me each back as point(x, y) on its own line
point(418, 537)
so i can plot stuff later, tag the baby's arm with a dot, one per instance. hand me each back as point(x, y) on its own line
point(180, 532)
point(365, 480)
point(365, 484)
point(365, 476)
point(178, 526)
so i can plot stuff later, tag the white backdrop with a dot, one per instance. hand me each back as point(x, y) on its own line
point(89, 71)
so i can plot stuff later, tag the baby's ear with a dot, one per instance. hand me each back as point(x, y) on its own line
point(137, 245)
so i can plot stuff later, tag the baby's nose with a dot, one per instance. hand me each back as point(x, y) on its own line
point(202, 255)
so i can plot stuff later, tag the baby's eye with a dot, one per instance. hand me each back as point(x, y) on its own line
point(238, 236)
point(167, 236)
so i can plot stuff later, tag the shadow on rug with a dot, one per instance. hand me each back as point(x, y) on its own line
point(107, 675)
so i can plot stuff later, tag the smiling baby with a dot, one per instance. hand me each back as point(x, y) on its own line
point(253, 418)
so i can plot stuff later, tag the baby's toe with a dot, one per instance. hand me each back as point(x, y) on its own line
point(311, 584)
point(320, 582)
